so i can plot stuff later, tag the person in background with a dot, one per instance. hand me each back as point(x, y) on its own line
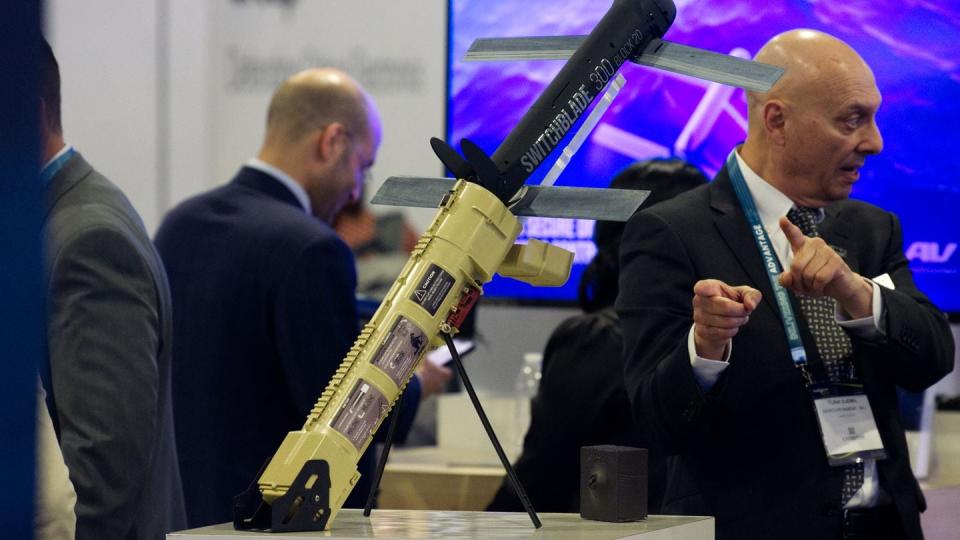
point(714, 363)
point(54, 516)
point(381, 243)
point(264, 291)
point(581, 400)
point(107, 373)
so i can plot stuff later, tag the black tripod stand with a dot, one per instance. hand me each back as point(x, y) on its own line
point(511, 474)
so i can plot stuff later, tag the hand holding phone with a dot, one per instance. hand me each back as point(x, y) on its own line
point(441, 355)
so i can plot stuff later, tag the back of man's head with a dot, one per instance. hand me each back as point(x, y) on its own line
point(50, 89)
point(323, 131)
point(313, 99)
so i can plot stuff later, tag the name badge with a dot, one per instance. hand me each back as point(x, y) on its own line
point(847, 424)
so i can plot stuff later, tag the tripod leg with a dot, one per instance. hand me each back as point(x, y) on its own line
point(382, 462)
point(511, 474)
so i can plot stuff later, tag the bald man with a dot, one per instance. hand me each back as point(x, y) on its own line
point(263, 290)
point(709, 368)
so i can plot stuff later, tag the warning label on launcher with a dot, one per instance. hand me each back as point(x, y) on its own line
point(432, 289)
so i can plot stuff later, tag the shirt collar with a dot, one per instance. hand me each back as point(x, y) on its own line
point(283, 178)
point(66, 148)
point(53, 167)
point(771, 203)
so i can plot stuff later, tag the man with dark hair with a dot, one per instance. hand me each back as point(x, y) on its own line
point(108, 339)
point(768, 320)
point(264, 291)
point(50, 89)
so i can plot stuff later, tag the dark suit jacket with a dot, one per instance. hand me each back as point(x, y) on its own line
point(265, 312)
point(580, 402)
point(109, 332)
point(749, 451)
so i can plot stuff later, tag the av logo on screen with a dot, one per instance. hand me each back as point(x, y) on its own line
point(931, 252)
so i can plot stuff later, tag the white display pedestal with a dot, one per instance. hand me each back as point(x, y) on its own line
point(417, 524)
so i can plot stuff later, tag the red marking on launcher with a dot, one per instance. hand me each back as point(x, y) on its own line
point(466, 303)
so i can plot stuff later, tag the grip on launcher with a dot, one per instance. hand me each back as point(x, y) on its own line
point(467, 242)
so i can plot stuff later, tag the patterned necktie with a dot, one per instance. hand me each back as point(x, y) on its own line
point(831, 341)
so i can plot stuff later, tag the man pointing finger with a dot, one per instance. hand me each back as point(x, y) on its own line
point(782, 317)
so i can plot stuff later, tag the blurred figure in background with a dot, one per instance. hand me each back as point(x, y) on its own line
point(54, 516)
point(381, 243)
point(581, 400)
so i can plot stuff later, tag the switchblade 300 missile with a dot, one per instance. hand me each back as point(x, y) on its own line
point(623, 32)
point(306, 482)
point(631, 30)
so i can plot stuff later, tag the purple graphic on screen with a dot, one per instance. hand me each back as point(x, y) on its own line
point(911, 46)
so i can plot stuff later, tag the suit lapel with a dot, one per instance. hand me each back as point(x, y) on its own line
point(835, 230)
point(733, 227)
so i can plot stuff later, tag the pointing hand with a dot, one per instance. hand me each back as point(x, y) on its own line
point(719, 310)
point(817, 270)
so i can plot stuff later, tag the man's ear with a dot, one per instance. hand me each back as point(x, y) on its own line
point(44, 124)
point(775, 121)
point(331, 142)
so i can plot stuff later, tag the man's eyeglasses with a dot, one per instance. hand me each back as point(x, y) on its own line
point(365, 164)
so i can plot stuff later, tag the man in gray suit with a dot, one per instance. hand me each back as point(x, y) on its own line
point(108, 336)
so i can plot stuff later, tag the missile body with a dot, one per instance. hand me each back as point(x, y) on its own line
point(471, 237)
point(623, 32)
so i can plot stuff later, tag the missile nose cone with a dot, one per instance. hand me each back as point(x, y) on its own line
point(667, 8)
point(652, 8)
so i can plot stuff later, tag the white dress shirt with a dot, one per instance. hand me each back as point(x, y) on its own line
point(772, 205)
point(66, 148)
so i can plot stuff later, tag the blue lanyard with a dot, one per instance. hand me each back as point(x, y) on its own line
point(770, 263)
point(51, 170)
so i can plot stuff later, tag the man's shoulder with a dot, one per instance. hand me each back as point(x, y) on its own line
point(697, 198)
point(870, 225)
point(688, 209)
point(94, 191)
point(90, 204)
point(197, 206)
point(238, 214)
point(858, 209)
point(93, 223)
point(237, 204)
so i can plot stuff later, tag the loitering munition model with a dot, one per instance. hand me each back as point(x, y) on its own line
point(472, 237)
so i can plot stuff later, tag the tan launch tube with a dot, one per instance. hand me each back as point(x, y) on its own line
point(469, 239)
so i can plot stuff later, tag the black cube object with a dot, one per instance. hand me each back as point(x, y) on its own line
point(613, 483)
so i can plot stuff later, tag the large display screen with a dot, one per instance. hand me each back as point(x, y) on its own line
point(911, 47)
